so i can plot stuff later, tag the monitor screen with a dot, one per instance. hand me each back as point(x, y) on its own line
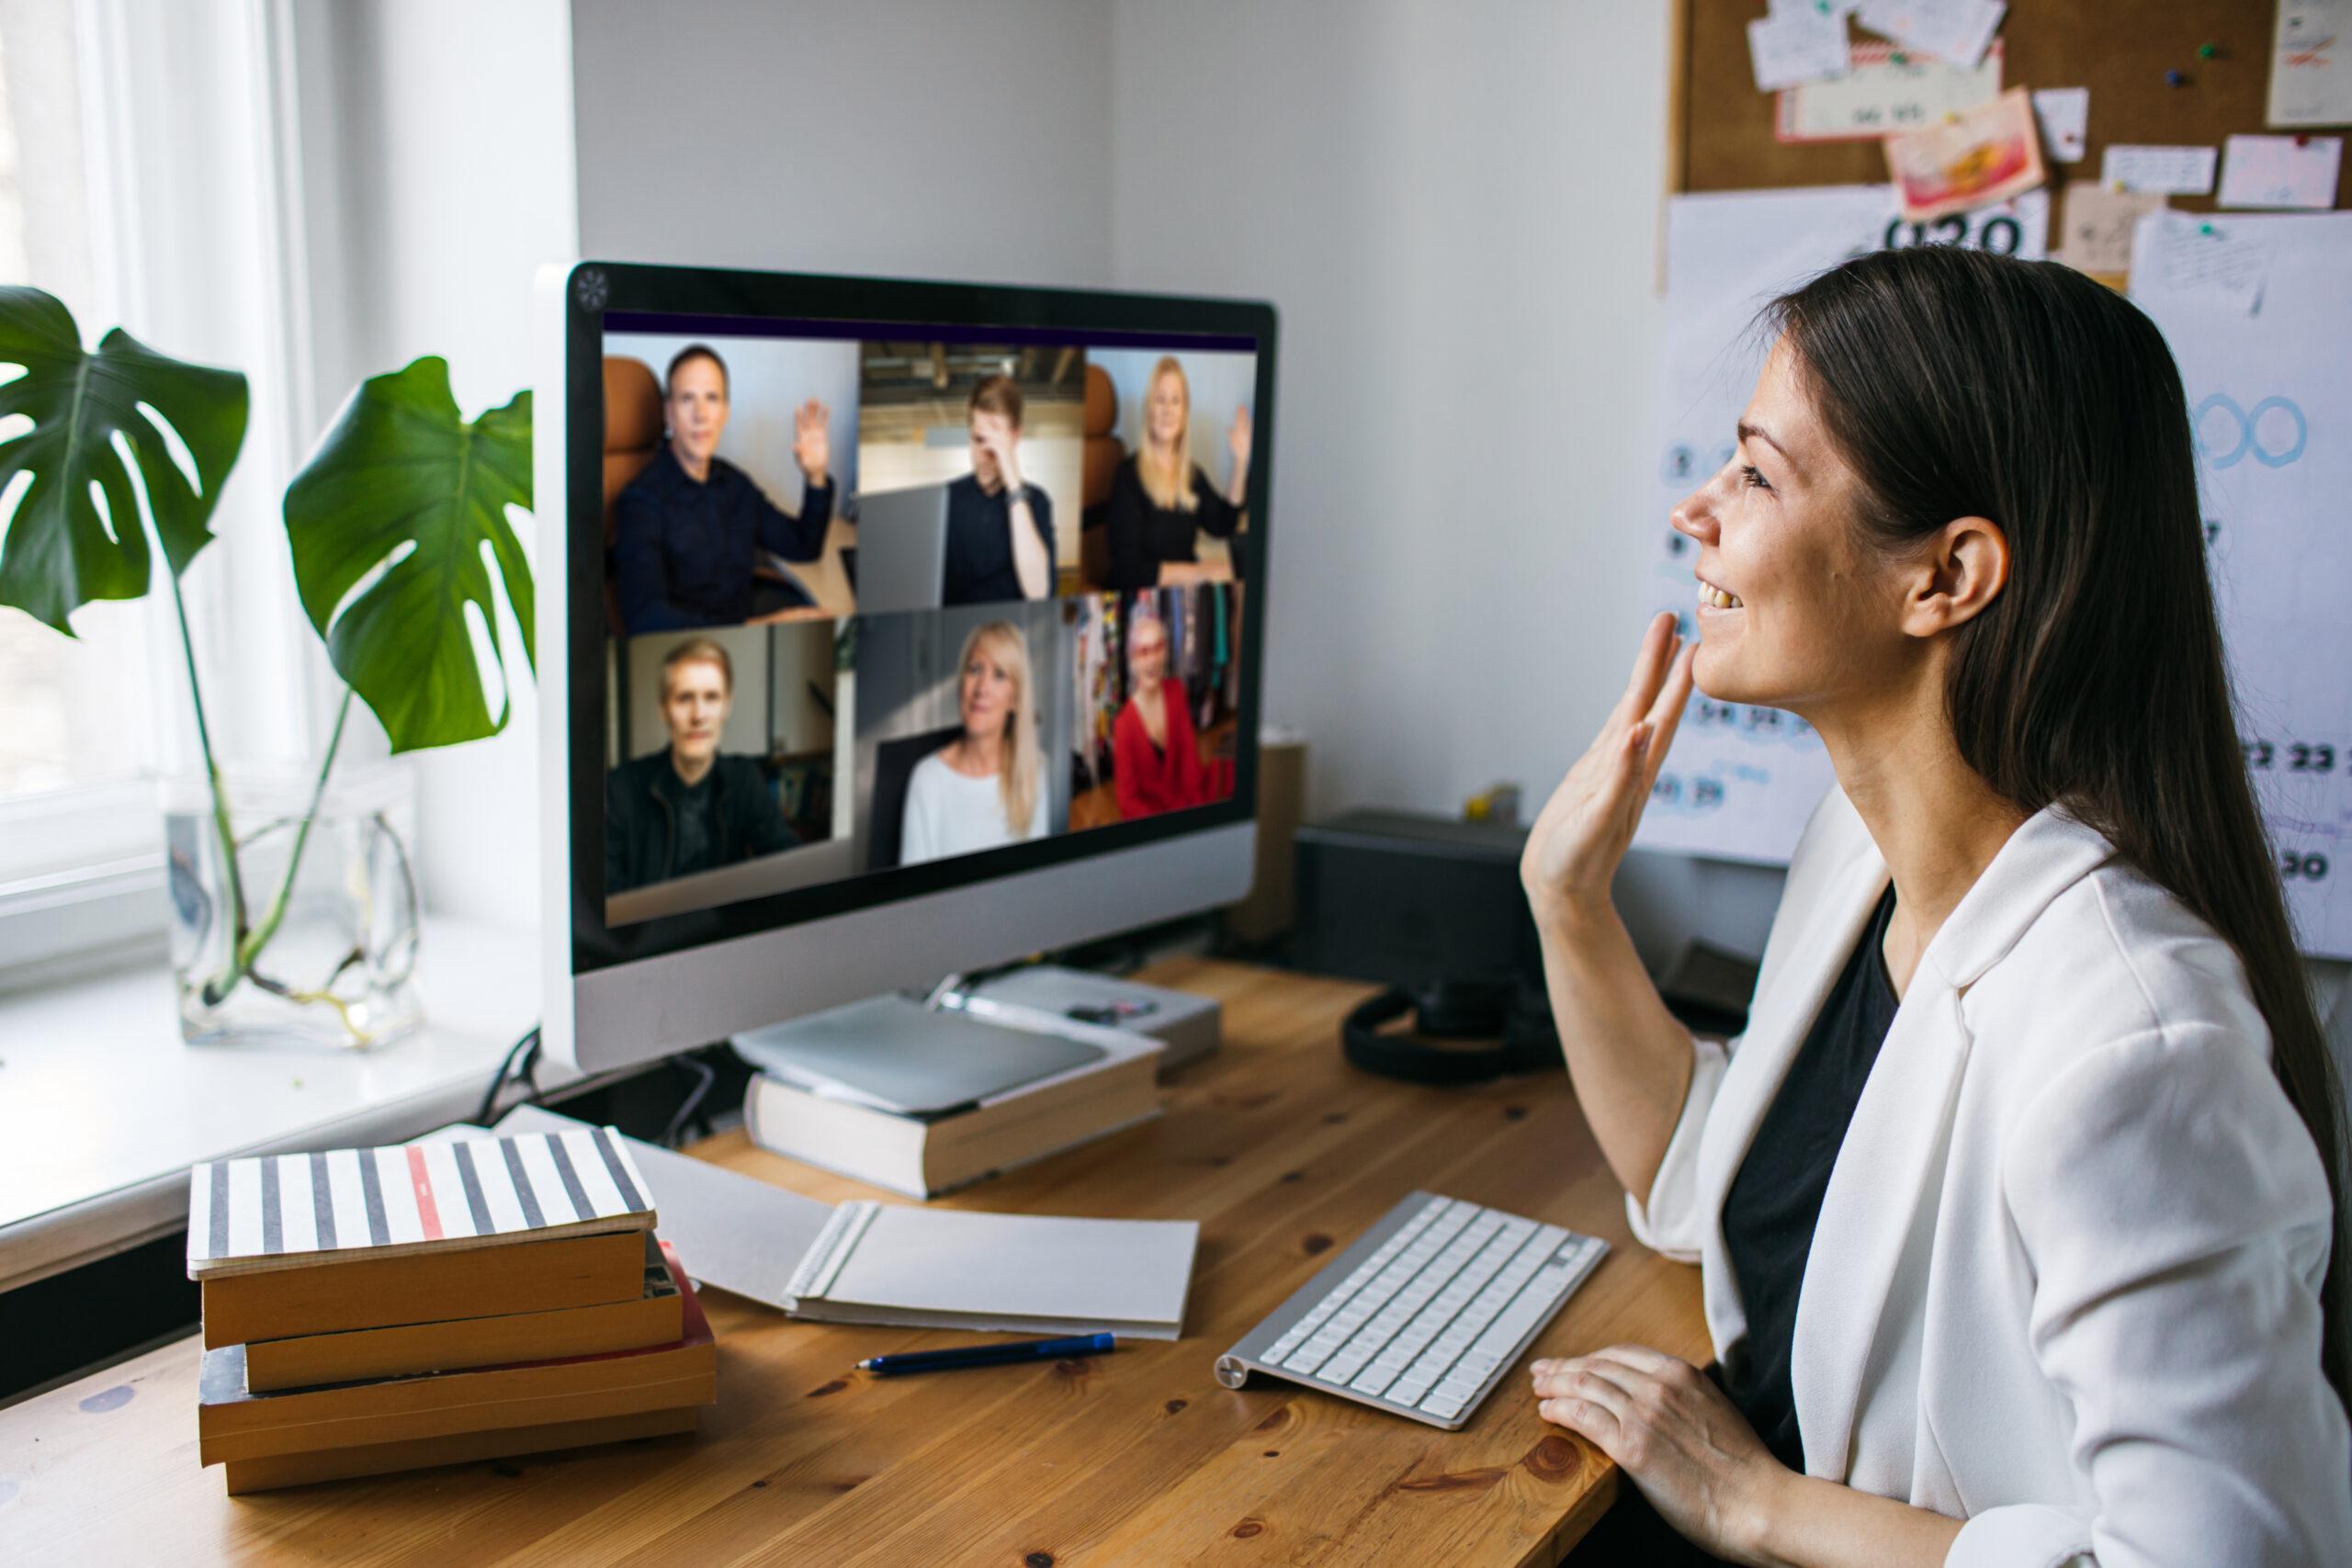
point(889, 599)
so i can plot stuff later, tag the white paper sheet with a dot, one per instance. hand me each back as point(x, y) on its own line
point(1876, 95)
point(2270, 401)
point(1797, 45)
point(1956, 30)
point(2161, 170)
point(1740, 782)
point(2203, 263)
point(2311, 63)
point(2281, 171)
point(2065, 116)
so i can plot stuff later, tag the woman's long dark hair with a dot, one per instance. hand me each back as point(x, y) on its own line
point(1958, 384)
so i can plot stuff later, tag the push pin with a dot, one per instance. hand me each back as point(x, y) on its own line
point(1899, 58)
point(2302, 141)
point(2207, 52)
point(2205, 227)
point(2175, 79)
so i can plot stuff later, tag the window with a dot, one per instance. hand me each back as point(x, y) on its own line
point(74, 712)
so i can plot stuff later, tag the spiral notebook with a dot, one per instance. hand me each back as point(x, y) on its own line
point(906, 1265)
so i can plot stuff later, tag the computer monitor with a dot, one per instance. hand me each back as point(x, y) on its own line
point(1064, 748)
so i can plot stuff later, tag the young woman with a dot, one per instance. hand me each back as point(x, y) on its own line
point(1160, 500)
point(987, 786)
point(2016, 1203)
point(1156, 753)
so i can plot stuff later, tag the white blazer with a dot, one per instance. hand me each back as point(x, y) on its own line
point(2066, 1281)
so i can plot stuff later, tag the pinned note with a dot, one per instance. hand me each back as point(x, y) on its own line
point(1987, 155)
point(1797, 43)
point(2064, 114)
point(2180, 258)
point(2095, 229)
point(1880, 95)
point(2160, 171)
point(1954, 30)
point(2311, 63)
point(2281, 171)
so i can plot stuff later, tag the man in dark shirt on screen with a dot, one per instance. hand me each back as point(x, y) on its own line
point(686, 807)
point(689, 528)
point(1000, 528)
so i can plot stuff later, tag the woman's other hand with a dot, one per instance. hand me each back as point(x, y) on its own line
point(1694, 1456)
point(1236, 439)
point(1573, 849)
point(812, 442)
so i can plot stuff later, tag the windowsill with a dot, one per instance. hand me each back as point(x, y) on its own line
point(103, 1109)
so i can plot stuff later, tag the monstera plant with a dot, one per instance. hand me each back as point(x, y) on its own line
point(396, 525)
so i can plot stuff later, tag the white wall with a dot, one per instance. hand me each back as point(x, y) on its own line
point(1455, 208)
point(923, 137)
point(439, 164)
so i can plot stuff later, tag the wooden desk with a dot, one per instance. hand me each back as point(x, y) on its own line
point(1274, 1144)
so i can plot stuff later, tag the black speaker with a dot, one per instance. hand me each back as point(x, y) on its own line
point(1431, 908)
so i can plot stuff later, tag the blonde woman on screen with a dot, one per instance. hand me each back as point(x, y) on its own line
point(1162, 501)
point(985, 788)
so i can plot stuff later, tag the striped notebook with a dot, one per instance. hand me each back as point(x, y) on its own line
point(247, 1216)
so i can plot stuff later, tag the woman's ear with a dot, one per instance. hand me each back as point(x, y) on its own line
point(1963, 570)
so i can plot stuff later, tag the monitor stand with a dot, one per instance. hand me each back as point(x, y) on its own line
point(914, 1056)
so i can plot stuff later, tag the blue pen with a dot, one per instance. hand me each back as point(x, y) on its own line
point(987, 1355)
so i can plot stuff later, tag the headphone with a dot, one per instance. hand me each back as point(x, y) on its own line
point(1511, 1014)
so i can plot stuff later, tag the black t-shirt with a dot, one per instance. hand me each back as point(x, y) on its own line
point(1144, 533)
point(685, 551)
point(695, 817)
point(1775, 1200)
point(980, 542)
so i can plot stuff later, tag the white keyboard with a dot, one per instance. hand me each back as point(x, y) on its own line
point(1424, 1313)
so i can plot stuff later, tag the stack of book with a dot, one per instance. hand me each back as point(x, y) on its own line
point(375, 1310)
point(803, 1105)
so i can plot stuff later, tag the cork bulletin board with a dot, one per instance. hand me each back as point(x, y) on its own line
point(2120, 49)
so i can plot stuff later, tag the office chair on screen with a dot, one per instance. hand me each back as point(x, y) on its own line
point(1104, 453)
point(894, 764)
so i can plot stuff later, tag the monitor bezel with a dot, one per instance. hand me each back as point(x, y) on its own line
point(725, 301)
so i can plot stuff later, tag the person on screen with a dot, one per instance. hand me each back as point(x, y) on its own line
point(686, 807)
point(1154, 752)
point(986, 787)
point(999, 530)
point(691, 526)
point(1160, 500)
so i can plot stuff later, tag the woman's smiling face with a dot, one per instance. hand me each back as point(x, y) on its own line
point(1796, 607)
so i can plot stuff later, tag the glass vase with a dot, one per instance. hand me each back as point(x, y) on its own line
point(309, 937)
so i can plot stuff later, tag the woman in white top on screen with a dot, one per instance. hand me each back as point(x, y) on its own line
point(2015, 1204)
point(986, 787)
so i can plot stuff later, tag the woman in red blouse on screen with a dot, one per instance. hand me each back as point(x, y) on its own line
point(1156, 756)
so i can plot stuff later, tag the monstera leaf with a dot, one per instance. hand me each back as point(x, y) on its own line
point(388, 524)
point(63, 548)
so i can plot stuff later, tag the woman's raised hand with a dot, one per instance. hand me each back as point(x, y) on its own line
point(1236, 439)
point(1573, 849)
